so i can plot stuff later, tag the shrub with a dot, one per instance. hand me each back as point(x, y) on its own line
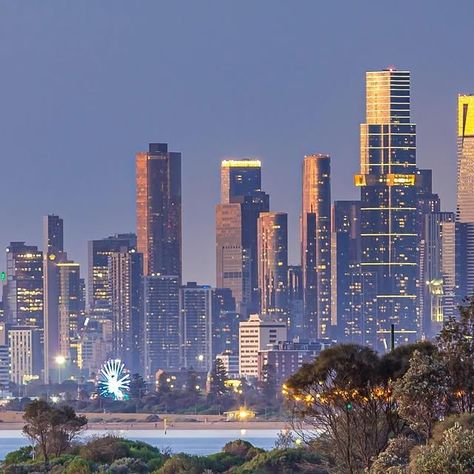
point(182, 464)
point(19, 456)
point(241, 449)
point(126, 465)
point(105, 449)
point(78, 466)
point(395, 458)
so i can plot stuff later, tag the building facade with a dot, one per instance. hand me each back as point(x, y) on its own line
point(195, 326)
point(387, 181)
point(273, 264)
point(158, 210)
point(316, 245)
point(256, 334)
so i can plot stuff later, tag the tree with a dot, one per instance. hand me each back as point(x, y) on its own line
point(218, 378)
point(456, 346)
point(343, 394)
point(422, 392)
point(138, 387)
point(51, 428)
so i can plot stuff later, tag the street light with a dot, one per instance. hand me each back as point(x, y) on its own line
point(60, 361)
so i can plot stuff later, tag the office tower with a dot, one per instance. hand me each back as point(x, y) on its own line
point(256, 334)
point(236, 231)
point(465, 196)
point(125, 282)
point(389, 239)
point(230, 362)
point(225, 323)
point(347, 282)
point(4, 361)
point(158, 200)
point(161, 324)
point(98, 290)
point(53, 252)
point(273, 264)
point(295, 302)
point(239, 178)
point(195, 326)
point(25, 349)
point(316, 245)
point(439, 271)
point(23, 292)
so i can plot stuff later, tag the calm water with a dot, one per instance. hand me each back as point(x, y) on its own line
point(186, 441)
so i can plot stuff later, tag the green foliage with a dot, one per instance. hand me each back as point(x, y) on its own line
point(283, 461)
point(182, 464)
point(78, 466)
point(143, 451)
point(395, 458)
point(128, 465)
point(454, 454)
point(19, 456)
point(241, 449)
point(105, 450)
point(221, 462)
point(421, 393)
point(464, 420)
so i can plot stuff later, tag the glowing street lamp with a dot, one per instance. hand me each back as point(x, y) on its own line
point(60, 361)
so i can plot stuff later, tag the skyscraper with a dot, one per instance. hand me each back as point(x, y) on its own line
point(98, 282)
point(316, 245)
point(239, 178)
point(273, 264)
point(158, 200)
point(24, 288)
point(161, 324)
point(389, 238)
point(126, 287)
point(439, 271)
point(236, 231)
point(53, 249)
point(195, 326)
point(465, 196)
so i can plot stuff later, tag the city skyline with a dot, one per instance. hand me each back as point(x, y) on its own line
point(297, 122)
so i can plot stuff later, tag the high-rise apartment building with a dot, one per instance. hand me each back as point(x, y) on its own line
point(225, 323)
point(465, 196)
point(256, 334)
point(158, 201)
point(273, 264)
point(236, 231)
point(295, 302)
point(23, 292)
point(161, 324)
point(98, 289)
point(25, 351)
point(126, 288)
point(316, 245)
point(195, 326)
point(387, 181)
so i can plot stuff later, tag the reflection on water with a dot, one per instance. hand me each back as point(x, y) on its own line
point(199, 442)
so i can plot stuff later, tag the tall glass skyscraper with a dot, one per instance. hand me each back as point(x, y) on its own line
point(465, 196)
point(316, 245)
point(158, 200)
point(387, 179)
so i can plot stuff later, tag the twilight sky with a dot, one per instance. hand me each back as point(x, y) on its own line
point(86, 84)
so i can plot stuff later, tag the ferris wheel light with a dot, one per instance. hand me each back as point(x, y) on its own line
point(114, 381)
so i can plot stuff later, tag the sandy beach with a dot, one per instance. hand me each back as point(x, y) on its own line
point(137, 421)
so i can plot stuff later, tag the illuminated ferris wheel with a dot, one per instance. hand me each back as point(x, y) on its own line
point(114, 381)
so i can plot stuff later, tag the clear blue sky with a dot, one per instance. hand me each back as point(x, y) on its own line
point(86, 84)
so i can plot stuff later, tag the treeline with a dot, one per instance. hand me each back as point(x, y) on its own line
point(384, 413)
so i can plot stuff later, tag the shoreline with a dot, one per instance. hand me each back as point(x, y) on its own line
point(138, 421)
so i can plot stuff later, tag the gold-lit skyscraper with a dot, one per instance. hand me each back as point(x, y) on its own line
point(316, 244)
point(242, 201)
point(273, 263)
point(387, 181)
point(465, 196)
point(158, 200)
